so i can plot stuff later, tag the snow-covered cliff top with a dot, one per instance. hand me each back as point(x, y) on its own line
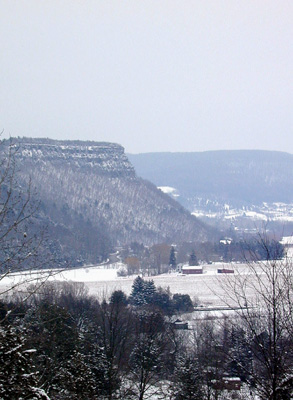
point(103, 156)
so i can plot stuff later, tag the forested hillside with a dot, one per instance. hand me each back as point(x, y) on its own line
point(92, 200)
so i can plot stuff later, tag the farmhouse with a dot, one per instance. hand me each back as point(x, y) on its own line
point(186, 269)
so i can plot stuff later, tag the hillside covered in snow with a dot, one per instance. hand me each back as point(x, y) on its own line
point(92, 200)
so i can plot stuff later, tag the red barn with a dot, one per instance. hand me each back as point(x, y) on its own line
point(225, 271)
point(188, 270)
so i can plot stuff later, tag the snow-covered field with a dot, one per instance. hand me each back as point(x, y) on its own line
point(102, 282)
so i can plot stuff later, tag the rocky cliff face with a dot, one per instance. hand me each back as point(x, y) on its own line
point(103, 158)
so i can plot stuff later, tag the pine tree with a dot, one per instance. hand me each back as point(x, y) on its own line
point(182, 302)
point(149, 291)
point(105, 373)
point(118, 297)
point(193, 259)
point(75, 380)
point(18, 379)
point(187, 382)
point(172, 260)
point(53, 332)
point(143, 292)
point(137, 296)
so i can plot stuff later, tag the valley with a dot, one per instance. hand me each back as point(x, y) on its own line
point(125, 279)
point(240, 191)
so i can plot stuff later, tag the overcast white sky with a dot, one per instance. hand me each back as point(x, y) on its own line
point(152, 75)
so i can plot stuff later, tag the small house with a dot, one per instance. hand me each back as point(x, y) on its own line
point(188, 270)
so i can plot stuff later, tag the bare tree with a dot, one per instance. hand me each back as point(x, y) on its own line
point(22, 241)
point(152, 348)
point(113, 341)
point(263, 294)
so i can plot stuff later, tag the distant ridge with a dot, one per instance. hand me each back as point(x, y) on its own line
point(238, 177)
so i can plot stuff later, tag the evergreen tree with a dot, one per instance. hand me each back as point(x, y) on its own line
point(163, 300)
point(187, 382)
point(269, 249)
point(75, 380)
point(143, 292)
point(17, 377)
point(52, 331)
point(105, 373)
point(149, 291)
point(172, 261)
point(182, 302)
point(193, 259)
point(118, 297)
point(137, 296)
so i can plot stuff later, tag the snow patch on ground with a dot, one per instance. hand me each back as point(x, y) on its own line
point(85, 274)
point(167, 189)
point(90, 274)
point(287, 241)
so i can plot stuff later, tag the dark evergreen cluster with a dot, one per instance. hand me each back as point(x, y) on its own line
point(173, 260)
point(63, 344)
point(192, 259)
point(251, 248)
point(144, 292)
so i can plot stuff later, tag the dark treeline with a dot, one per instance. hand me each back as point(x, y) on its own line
point(64, 344)
point(162, 258)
